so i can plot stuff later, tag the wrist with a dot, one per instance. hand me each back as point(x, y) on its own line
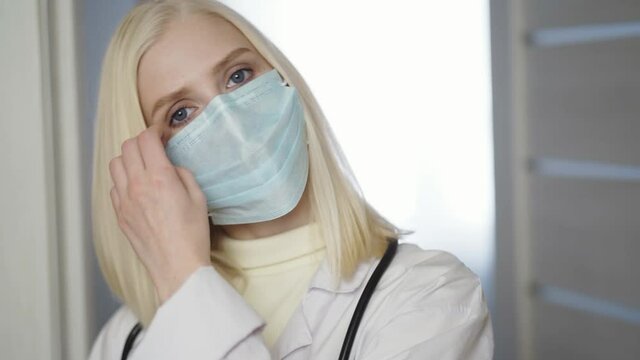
point(172, 282)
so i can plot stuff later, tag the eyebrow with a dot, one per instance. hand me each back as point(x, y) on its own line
point(182, 91)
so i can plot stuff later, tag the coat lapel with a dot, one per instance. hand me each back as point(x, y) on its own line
point(319, 304)
point(295, 335)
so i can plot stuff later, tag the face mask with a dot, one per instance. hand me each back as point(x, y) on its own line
point(247, 151)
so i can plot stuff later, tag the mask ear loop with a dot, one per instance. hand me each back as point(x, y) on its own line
point(283, 82)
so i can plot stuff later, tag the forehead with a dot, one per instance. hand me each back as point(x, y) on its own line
point(188, 44)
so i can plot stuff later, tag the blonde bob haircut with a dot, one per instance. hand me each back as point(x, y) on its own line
point(351, 229)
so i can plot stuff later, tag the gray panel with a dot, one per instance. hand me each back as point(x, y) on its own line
point(583, 101)
point(586, 237)
point(554, 13)
point(562, 333)
point(504, 317)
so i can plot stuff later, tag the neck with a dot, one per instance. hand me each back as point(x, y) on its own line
point(297, 217)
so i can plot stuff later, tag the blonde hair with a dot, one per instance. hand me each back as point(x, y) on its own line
point(351, 229)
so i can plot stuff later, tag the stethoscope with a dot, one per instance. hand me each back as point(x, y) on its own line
point(355, 319)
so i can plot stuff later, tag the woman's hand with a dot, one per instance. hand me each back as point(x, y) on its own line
point(161, 210)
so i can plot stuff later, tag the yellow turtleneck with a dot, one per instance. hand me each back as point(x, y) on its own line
point(275, 272)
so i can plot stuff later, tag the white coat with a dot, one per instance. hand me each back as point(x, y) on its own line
point(428, 305)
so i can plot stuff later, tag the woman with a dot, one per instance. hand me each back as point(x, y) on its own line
point(228, 222)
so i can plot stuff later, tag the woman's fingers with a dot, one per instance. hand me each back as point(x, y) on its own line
point(118, 174)
point(190, 184)
point(115, 201)
point(132, 159)
point(161, 210)
point(152, 150)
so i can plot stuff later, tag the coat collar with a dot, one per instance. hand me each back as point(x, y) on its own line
point(297, 333)
point(324, 280)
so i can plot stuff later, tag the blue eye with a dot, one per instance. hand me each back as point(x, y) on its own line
point(239, 77)
point(181, 116)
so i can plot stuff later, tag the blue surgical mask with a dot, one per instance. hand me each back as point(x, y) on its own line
point(247, 151)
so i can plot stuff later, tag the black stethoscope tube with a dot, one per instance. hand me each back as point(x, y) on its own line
point(130, 339)
point(355, 319)
point(365, 297)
